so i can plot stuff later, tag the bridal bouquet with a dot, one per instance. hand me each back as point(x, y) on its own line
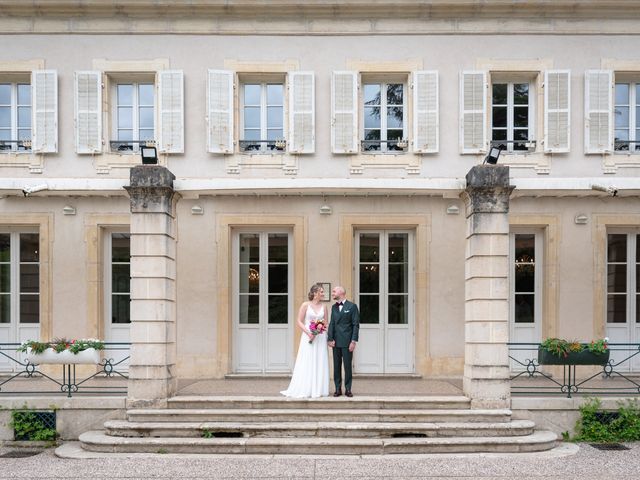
point(316, 327)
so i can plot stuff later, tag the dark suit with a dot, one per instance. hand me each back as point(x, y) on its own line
point(343, 328)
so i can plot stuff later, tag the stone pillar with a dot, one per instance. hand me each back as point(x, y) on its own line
point(486, 356)
point(153, 277)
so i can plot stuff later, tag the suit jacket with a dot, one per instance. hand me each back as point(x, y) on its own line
point(344, 326)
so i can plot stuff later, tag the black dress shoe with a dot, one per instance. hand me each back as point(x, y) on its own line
point(348, 393)
point(337, 393)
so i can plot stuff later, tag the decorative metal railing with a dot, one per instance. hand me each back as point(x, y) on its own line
point(515, 146)
point(619, 376)
point(271, 146)
point(20, 377)
point(399, 145)
point(128, 146)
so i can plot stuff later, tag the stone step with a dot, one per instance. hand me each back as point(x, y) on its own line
point(123, 428)
point(98, 441)
point(314, 414)
point(359, 402)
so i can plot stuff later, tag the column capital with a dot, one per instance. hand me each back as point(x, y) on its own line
point(487, 190)
point(151, 189)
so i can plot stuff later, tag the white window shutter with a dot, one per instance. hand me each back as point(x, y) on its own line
point(425, 112)
point(171, 111)
point(44, 111)
point(344, 112)
point(598, 127)
point(220, 111)
point(473, 112)
point(88, 111)
point(557, 111)
point(302, 138)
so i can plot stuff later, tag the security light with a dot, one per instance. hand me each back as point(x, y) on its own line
point(149, 155)
point(492, 157)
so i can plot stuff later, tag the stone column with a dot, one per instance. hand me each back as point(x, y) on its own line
point(153, 277)
point(486, 356)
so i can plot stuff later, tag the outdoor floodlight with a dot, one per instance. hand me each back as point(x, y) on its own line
point(149, 155)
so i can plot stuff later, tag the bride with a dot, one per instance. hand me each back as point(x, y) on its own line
point(310, 377)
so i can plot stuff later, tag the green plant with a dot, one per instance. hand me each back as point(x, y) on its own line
point(163, 450)
point(562, 348)
point(28, 426)
point(207, 433)
point(61, 344)
point(594, 425)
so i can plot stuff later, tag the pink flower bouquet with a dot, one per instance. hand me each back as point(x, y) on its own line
point(316, 327)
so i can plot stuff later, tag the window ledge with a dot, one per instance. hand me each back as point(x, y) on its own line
point(286, 161)
point(360, 162)
point(31, 160)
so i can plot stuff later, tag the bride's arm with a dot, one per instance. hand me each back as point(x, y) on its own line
point(300, 321)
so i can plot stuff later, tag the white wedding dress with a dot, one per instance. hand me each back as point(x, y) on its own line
point(310, 377)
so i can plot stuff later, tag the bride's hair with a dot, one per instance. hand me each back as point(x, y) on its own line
point(313, 290)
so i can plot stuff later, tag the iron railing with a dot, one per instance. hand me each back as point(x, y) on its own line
point(21, 377)
point(619, 376)
point(515, 146)
point(20, 145)
point(631, 146)
point(399, 145)
point(130, 145)
point(278, 146)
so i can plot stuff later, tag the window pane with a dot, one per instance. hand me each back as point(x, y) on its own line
point(5, 135)
point(394, 135)
point(5, 247)
point(616, 308)
point(29, 308)
point(145, 134)
point(394, 117)
point(251, 134)
point(398, 247)
point(278, 310)
point(370, 278)
point(274, 94)
point(146, 117)
point(637, 248)
point(29, 278)
point(252, 117)
point(24, 135)
point(499, 135)
point(278, 247)
point(499, 94)
point(24, 117)
point(5, 94)
point(125, 94)
point(372, 117)
point(120, 247)
point(616, 278)
point(145, 94)
point(249, 278)
point(500, 117)
point(5, 278)
point(622, 117)
point(120, 309)
point(278, 278)
point(274, 117)
point(5, 117)
point(369, 309)
point(5, 309)
point(398, 309)
point(398, 278)
point(252, 94)
point(125, 135)
point(372, 94)
point(369, 247)
point(372, 135)
point(24, 94)
point(637, 308)
point(622, 94)
point(29, 247)
point(274, 134)
point(521, 116)
point(616, 248)
point(248, 310)
point(525, 248)
point(394, 94)
point(525, 309)
point(520, 93)
point(525, 278)
point(120, 278)
point(249, 247)
point(125, 117)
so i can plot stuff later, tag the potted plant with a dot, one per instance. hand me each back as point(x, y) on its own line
point(62, 350)
point(557, 351)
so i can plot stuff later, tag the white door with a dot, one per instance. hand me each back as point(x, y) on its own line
point(19, 291)
point(262, 305)
point(623, 296)
point(384, 294)
point(525, 298)
point(117, 282)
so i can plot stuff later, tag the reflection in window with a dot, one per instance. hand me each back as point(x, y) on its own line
point(627, 117)
point(135, 115)
point(15, 116)
point(120, 278)
point(510, 111)
point(384, 117)
point(263, 117)
point(525, 276)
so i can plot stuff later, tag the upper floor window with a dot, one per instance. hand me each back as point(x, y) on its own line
point(262, 117)
point(384, 121)
point(510, 116)
point(15, 116)
point(627, 117)
point(134, 117)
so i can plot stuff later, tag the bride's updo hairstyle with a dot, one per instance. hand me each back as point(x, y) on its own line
point(313, 290)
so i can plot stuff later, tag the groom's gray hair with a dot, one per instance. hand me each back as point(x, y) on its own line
point(341, 289)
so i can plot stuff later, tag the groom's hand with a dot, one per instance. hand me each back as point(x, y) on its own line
point(352, 346)
point(332, 343)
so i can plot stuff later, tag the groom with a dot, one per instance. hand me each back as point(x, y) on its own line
point(342, 337)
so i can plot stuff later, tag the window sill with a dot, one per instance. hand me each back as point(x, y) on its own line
point(287, 162)
point(31, 160)
point(396, 160)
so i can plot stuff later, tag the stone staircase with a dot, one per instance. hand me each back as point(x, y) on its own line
point(276, 425)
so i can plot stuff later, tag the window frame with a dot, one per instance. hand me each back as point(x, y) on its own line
point(280, 145)
point(532, 79)
point(633, 104)
point(14, 82)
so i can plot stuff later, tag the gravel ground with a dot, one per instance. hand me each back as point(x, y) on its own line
point(587, 463)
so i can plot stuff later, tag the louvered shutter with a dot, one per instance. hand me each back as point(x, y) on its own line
point(598, 128)
point(344, 112)
point(301, 112)
point(473, 112)
point(44, 111)
point(171, 111)
point(88, 111)
point(557, 112)
point(425, 112)
point(220, 111)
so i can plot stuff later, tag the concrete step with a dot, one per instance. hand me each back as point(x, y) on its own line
point(313, 414)
point(98, 441)
point(123, 428)
point(360, 403)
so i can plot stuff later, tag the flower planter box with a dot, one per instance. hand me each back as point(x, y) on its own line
point(573, 358)
point(50, 356)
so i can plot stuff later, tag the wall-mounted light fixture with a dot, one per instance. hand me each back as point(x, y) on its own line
point(492, 156)
point(581, 219)
point(197, 210)
point(326, 210)
point(149, 155)
point(609, 190)
point(453, 210)
point(68, 210)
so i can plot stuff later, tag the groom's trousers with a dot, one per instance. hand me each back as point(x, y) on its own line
point(341, 354)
